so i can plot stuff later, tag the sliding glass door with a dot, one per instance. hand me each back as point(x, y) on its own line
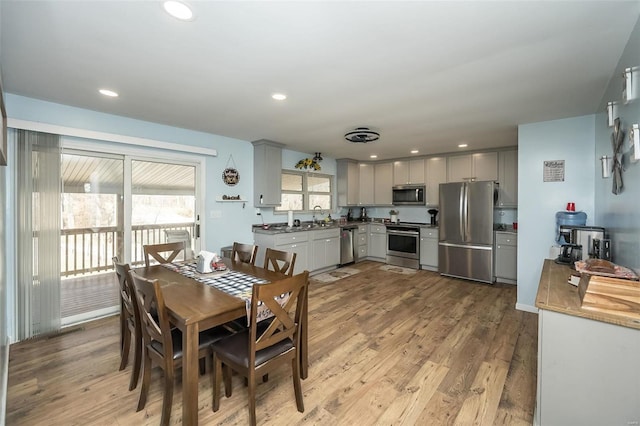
point(112, 205)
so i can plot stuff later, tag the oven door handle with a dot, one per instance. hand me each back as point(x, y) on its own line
point(412, 233)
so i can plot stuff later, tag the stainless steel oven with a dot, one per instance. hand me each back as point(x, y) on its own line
point(403, 246)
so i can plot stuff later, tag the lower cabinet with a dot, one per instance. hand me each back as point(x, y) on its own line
point(506, 257)
point(296, 242)
point(429, 248)
point(361, 241)
point(325, 248)
point(377, 241)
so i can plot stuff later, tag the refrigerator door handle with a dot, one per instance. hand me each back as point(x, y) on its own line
point(465, 217)
point(461, 212)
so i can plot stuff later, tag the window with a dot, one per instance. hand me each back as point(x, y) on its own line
point(302, 191)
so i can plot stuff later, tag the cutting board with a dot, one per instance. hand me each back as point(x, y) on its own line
point(610, 295)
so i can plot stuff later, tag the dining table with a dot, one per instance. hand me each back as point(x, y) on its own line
point(195, 303)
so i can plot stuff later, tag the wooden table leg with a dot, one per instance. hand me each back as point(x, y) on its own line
point(190, 375)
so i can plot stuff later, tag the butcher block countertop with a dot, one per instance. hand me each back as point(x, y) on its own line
point(556, 294)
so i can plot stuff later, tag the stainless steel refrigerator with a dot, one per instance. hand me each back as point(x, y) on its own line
point(465, 248)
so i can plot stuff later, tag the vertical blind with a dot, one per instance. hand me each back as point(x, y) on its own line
point(38, 229)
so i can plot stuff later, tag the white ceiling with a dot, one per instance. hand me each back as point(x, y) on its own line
point(426, 75)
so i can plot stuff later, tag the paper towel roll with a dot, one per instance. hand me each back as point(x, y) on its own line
point(290, 219)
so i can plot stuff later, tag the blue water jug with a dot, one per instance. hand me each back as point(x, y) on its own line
point(566, 218)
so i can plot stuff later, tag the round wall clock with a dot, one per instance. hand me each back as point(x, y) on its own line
point(230, 176)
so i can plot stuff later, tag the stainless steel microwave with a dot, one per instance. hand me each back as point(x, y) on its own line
point(412, 195)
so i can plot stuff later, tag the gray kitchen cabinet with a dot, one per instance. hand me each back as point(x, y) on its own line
point(429, 248)
point(267, 173)
point(383, 175)
point(361, 240)
point(296, 242)
point(348, 182)
point(506, 257)
point(377, 241)
point(325, 248)
point(508, 178)
point(408, 172)
point(436, 173)
point(485, 165)
point(478, 166)
point(367, 184)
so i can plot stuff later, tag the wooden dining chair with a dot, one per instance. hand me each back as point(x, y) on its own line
point(258, 350)
point(129, 322)
point(162, 344)
point(245, 253)
point(280, 261)
point(159, 252)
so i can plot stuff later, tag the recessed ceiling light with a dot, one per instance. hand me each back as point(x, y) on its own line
point(178, 10)
point(462, 145)
point(279, 96)
point(414, 151)
point(109, 93)
point(373, 156)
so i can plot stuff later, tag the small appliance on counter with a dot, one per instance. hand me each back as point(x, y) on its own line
point(565, 220)
point(434, 214)
point(569, 254)
point(363, 214)
point(349, 215)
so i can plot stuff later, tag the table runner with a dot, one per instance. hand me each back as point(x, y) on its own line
point(235, 283)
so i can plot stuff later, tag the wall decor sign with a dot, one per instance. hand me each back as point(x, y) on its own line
point(230, 175)
point(553, 171)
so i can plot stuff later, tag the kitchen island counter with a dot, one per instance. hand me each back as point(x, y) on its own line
point(588, 370)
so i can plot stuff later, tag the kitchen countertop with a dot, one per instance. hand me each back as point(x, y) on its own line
point(281, 228)
point(555, 294)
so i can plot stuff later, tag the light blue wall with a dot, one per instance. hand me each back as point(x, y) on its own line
point(620, 214)
point(571, 140)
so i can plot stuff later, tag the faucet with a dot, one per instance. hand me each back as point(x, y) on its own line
point(314, 212)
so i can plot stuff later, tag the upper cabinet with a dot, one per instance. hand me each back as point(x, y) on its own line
point(267, 171)
point(408, 172)
point(348, 182)
point(508, 178)
point(366, 184)
point(479, 166)
point(436, 173)
point(383, 173)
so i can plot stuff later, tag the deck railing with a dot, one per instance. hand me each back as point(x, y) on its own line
point(90, 250)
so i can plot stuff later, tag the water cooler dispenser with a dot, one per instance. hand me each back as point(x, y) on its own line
point(565, 221)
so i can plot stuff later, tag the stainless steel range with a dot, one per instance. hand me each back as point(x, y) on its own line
point(403, 245)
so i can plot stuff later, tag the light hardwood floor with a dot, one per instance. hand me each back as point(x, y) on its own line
point(385, 349)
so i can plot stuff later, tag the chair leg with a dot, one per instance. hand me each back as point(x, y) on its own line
point(252, 398)
point(167, 401)
point(227, 373)
point(126, 344)
point(215, 382)
point(137, 360)
point(146, 378)
point(296, 384)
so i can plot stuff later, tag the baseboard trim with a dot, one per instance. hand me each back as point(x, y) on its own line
point(526, 308)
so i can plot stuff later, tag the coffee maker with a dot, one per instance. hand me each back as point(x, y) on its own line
point(363, 214)
point(433, 213)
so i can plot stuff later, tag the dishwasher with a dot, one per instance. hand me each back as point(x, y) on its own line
point(347, 245)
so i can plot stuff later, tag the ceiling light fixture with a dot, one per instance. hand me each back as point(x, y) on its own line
point(362, 135)
point(462, 145)
point(109, 93)
point(178, 10)
point(279, 96)
point(414, 151)
point(373, 156)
